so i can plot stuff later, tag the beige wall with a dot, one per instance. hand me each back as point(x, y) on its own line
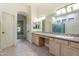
point(47, 22)
point(13, 9)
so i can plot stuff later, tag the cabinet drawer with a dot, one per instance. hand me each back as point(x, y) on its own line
point(74, 44)
point(61, 41)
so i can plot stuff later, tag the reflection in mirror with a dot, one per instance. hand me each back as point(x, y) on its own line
point(68, 24)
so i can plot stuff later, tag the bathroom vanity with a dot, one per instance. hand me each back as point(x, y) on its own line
point(59, 45)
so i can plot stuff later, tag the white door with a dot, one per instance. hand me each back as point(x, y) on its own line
point(7, 30)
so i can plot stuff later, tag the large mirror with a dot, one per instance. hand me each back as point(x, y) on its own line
point(68, 23)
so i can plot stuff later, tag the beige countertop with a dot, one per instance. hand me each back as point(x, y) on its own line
point(59, 36)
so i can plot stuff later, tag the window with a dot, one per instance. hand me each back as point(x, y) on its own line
point(35, 26)
point(75, 6)
point(69, 8)
point(19, 29)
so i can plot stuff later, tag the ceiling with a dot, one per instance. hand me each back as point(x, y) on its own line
point(41, 9)
point(46, 8)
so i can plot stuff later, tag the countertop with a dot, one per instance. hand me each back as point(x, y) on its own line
point(58, 36)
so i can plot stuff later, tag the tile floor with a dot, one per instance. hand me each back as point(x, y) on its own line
point(24, 48)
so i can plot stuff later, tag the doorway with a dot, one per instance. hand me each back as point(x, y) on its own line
point(21, 26)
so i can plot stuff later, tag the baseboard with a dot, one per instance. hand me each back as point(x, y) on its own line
point(7, 47)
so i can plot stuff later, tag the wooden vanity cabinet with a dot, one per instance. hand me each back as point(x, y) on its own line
point(51, 46)
point(54, 48)
point(37, 40)
point(69, 51)
point(74, 44)
point(57, 46)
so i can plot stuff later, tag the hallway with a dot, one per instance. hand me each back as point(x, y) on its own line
point(24, 48)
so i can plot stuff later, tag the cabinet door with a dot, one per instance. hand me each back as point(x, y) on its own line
point(54, 48)
point(35, 39)
point(57, 49)
point(69, 51)
point(51, 47)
